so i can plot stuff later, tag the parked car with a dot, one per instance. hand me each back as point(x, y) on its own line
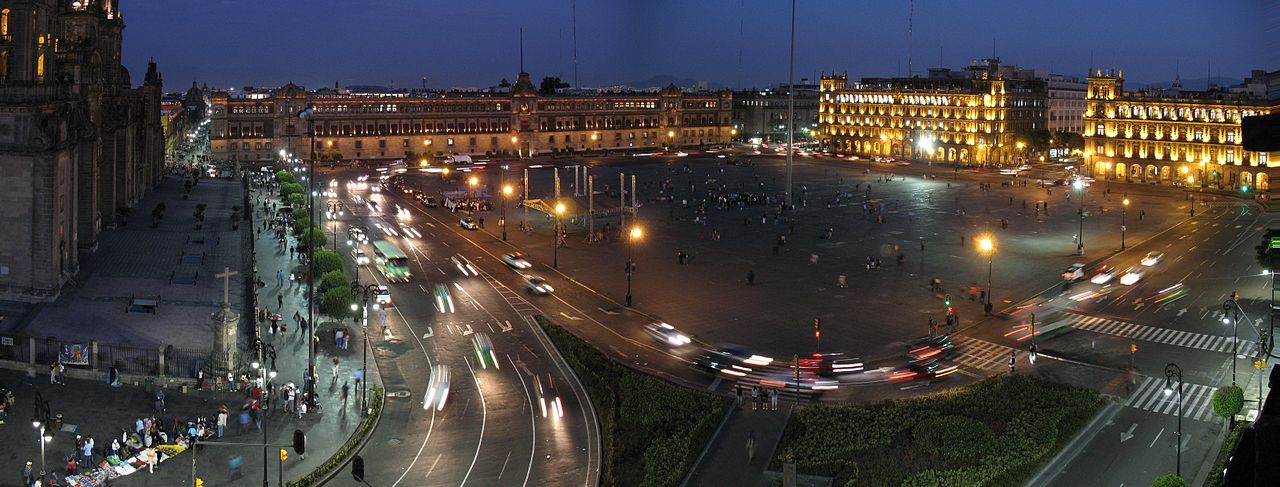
point(468, 223)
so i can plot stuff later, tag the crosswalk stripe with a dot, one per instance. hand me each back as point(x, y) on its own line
point(1141, 393)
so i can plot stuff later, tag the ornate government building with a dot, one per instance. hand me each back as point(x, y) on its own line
point(970, 118)
point(1175, 136)
point(78, 144)
point(355, 124)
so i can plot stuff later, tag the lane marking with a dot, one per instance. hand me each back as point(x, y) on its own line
point(1153, 441)
point(484, 418)
point(532, 418)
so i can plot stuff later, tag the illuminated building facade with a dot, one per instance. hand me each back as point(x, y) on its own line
point(79, 144)
point(383, 125)
point(969, 118)
point(1173, 136)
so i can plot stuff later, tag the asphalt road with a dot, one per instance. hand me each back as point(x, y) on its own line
point(491, 431)
point(1173, 314)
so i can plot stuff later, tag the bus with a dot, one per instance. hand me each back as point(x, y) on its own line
point(391, 261)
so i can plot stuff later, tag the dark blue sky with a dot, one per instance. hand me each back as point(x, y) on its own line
point(474, 43)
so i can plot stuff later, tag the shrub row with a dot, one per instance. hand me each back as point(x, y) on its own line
point(349, 448)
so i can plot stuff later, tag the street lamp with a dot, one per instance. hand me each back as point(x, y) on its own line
point(988, 246)
point(636, 233)
point(471, 184)
point(555, 237)
point(1079, 184)
point(1233, 307)
point(40, 421)
point(1123, 209)
point(365, 291)
point(506, 193)
point(1170, 371)
point(515, 141)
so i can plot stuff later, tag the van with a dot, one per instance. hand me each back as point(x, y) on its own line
point(459, 159)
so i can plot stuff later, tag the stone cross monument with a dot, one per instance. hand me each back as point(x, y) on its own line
point(226, 330)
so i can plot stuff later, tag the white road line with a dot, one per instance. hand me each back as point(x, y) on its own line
point(484, 418)
point(532, 418)
point(1157, 438)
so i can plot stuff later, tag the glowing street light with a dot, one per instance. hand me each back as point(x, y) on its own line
point(506, 193)
point(635, 235)
point(988, 246)
point(555, 237)
point(1123, 210)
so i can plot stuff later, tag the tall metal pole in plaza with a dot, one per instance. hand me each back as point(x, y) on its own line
point(311, 250)
point(791, 104)
point(631, 266)
point(555, 237)
point(988, 246)
point(1233, 308)
point(1123, 209)
point(506, 193)
point(1080, 234)
point(1170, 371)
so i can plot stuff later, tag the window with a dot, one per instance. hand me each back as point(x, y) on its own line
point(450, 142)
point(1231, 136)
point(1100, 130)
point(359, 144)
point(404, 142)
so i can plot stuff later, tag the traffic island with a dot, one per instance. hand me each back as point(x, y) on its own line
point(652, 430)
point(995, 432)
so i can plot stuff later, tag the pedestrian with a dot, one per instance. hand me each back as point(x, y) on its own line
point(755, 398)
point(88, 450)
point(150, 454)
point(751, 278)
point(335, 369)
point(337, 338)
point(751, 446)
point(773, 399)
point(53, 373)
point(280, 278)
point(28, 476)
point(244, 419)
point(737, 392)
point(279, 301)
point(200, 379)
point(842, 280)
point(222, 421)
point(274, 326)
point(1013, 359)
point(297, 315)
point(344, 394)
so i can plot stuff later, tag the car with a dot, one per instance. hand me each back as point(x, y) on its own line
point(359, 256)
point(805, 380)
point(667, 334)
point(537, 285)
point(1131, 276)
point(468, 223)
point(381, 295)
point(830, 363)
point(437, 388)
point(1152, 258)
point(741, 355)
point(549, 403)
point(923, 369)
point(357, 233)
point(484, 351)
point(464, 266)
point(719, 364)
point(444, 301)
point(931, 347)
point(427, 201)
point(1074, 273)
point(516, 260)
point(1104, 275)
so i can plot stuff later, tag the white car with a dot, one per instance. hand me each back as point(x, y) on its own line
point(549, 403)
point(516, 260)
point(1104, 275)
point(468, 223)
point(357, 234)
point(1152, 258)
point(667, 334)
point(1074, 273)
point(1131, 276)
point(536, 285)
point(464, 266)
point(382, 295)
point(360, 257)
point(437, 388)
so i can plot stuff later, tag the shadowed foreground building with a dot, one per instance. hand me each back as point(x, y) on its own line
point(78, 145)
point(381, 124)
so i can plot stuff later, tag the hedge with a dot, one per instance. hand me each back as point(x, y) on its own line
point(284, 177)
point(337, 302)
point(652, 430)
point(349, 448)
point(1169, 480)
point(333, 279)
point(1224, 454)
point(995, 432)
point(327, 261)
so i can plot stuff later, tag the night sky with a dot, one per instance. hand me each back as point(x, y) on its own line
point(475, 43)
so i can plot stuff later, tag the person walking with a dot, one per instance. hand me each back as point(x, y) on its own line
point(280, 278)
point(28, 476)
point(335, 369)
point(1013, 359)
point(737, 391)
point(755, 398)
point(53, 373)
point(222, 420)
point(279, 301)
point(751, 277)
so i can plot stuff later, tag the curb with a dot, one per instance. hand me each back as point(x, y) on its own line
point(1071, 449)
point(710, 441)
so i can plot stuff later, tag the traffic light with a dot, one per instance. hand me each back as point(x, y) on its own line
point(357, 468)
point(1133, 348)
point(817, 327)
point(947, 301)
point(284, 454)
point(199, 482)
point(299, 442)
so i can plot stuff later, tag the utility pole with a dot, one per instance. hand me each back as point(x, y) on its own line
point(791, 107)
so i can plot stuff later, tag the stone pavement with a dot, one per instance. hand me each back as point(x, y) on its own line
point(138, 259)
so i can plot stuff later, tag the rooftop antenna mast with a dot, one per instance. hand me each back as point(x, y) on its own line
point(741, 8)
point(574, 7)
point(911, 13)
point(522, 49)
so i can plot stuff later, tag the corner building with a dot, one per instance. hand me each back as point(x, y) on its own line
point(256, 127)
point(1173, 136)
point(79, 145)
point(970, 120)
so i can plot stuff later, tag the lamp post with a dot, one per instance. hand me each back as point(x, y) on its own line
point(365, 291)
point(40, 421)
point(1123, 210)
point(1232, 307)
point(635, 234)
point(555, 237)
point(471, 186)
point(988, 246)
point(1170, 371)
point(335, 210)
point(311, 266)
point(1079, 184)
point(506, 193)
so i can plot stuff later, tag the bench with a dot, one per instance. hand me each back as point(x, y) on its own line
point(146, 303)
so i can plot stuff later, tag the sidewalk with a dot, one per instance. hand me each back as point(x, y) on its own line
point(726, 455)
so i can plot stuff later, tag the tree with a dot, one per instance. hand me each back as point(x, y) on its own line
point(300, 214)
point(284, 177)
point(333, 279)
point(317, 233)
point(1070, 140)
point(328, 261)
point(1266, 257)
point(296, 199)
point(550, 85)
point(1169, 480)
point(289, 188)
point(1228, 401)
point(337, 302)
